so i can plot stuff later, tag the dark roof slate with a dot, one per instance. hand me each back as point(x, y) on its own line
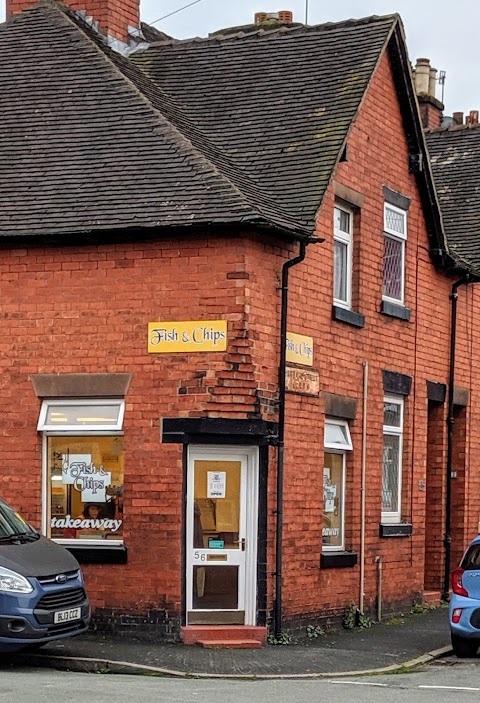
point(82, 149)
point(152, 34)
point(185, 133)
point(455, 159)
point(271, 109)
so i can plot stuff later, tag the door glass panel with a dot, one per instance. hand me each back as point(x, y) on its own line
point(215, 587)
point(216, 505)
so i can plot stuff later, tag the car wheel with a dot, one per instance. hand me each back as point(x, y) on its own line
point(464, 648)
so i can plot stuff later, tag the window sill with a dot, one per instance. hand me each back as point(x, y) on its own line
point(86, 554)
point(395, 310)
point(336, 560)
point(402, 529)
point(348, 316)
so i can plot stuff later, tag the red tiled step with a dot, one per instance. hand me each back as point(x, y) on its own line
point(230, 644)
point(194, 634)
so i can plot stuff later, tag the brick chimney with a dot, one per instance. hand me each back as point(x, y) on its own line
point(431, 109)
point(274, 18)
point(472, 118)
point(459, 118)
point(114, 17)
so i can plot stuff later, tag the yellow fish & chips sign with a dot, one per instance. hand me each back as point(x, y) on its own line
point(299, 349)
point(191, 336)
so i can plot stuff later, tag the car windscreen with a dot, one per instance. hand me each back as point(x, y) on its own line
point(11, 524)
point(471, 560)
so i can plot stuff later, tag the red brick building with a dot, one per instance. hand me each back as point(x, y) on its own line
point(153, 203)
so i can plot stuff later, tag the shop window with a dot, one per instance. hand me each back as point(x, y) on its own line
point(83, 470)
point(337, 443)
point(392, 459)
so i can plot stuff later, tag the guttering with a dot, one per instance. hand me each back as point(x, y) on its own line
point(281, 432)
point(466, 278)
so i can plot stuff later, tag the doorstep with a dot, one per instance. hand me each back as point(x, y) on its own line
point(225, 636)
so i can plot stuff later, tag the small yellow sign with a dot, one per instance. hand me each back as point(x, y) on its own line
point(299, 349)
point(196, 336)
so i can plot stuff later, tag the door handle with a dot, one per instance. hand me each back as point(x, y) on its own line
point(242, 542)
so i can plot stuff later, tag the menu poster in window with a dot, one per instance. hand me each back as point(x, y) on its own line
point(329, 492)
point(79, 471)
point(217, 481)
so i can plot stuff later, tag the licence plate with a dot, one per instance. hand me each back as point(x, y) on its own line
point(67, 615)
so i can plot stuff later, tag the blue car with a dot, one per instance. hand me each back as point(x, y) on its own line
point(42, 594)
point(465, 603)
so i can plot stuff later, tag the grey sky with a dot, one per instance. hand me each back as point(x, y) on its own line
point(445, 31)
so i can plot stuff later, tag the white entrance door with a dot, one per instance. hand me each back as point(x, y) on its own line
point(222, 516)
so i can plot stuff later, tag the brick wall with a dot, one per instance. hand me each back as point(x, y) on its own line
point(378, 156)
point(435, 496)
point(459, 485)
point(86, 309)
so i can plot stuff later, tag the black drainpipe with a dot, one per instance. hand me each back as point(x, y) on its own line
point(281, 433)
point(450, 422)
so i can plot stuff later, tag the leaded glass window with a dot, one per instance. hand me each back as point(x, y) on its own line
point(395, 235)
point(392, 459)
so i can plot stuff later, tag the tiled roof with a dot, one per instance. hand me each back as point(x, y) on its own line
point(81, 148)
point(244, 129)
point(455, 158)
point(270, 109)
point(152, 34)
point(234, 129)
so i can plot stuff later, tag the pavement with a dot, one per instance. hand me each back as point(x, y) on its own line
point(397, 643)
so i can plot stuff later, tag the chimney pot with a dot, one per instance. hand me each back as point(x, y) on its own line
point(458, 117)
point(432, 83)
point(422, 76)
point(283, 16)
point(472, 117)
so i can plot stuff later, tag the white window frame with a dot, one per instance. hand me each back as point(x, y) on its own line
point(341, 449)
point(46, 494)
point(348, 446)
point(84, 430)
point(390, 430)
point(391, 234)
point(347, 239)
point(43, 426)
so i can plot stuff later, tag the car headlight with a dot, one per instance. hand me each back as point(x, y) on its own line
point(11, 582)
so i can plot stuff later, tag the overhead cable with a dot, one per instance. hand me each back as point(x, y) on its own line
point(195, 2)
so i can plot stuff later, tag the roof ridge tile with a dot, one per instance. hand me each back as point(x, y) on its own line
point(282, 29)
point(453, 128)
